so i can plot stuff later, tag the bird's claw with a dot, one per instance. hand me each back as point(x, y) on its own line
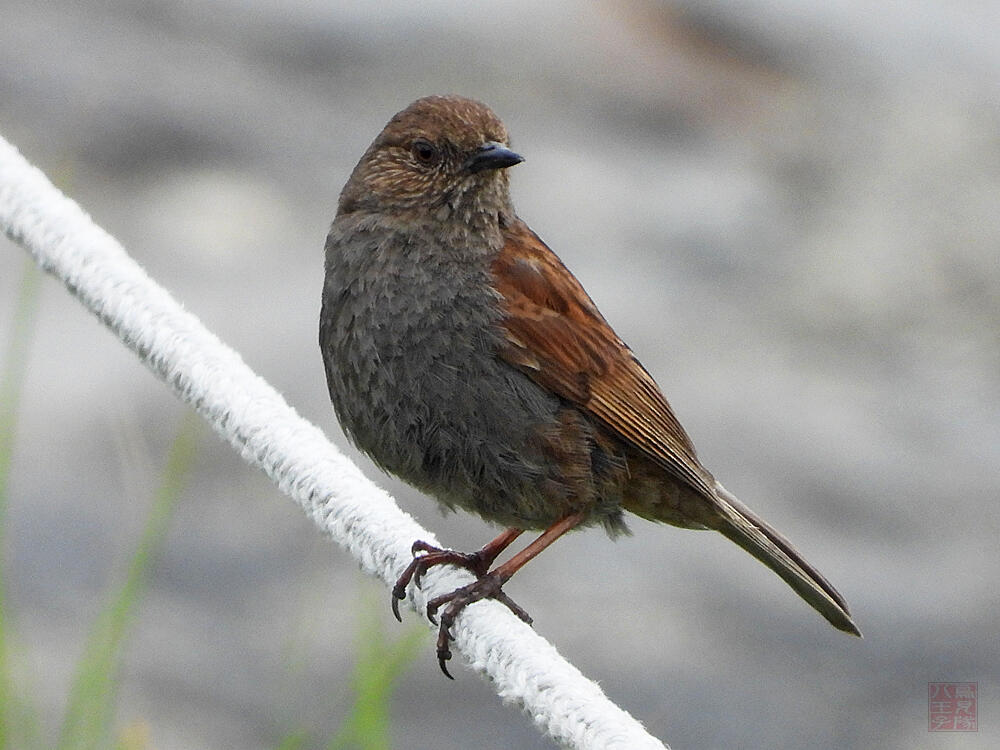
point(421, 563)
point(488, 586)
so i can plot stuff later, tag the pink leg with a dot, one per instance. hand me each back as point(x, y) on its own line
point(477, 562)
point(489, 586)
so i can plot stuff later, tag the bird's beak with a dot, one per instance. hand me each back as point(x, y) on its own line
point(492, 155)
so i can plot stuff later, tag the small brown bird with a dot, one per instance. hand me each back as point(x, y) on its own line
point(464, 357)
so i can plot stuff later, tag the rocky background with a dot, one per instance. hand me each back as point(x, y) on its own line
point(789, 208)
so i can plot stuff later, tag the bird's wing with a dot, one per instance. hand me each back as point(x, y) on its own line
point(556, 335)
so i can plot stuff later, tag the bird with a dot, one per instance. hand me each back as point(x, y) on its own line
point(464, 357)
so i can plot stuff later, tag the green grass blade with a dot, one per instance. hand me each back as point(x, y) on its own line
point(380, 663)
point(90, 713)
point(14, 714)
point(295, 741)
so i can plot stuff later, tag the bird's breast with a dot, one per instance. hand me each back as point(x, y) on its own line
point(410, 336)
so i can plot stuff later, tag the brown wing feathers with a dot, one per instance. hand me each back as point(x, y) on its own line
point(557, 336)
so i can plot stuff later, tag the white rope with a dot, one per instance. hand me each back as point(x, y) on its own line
point(524, 668)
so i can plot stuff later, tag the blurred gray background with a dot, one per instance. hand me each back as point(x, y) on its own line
point(789, 209)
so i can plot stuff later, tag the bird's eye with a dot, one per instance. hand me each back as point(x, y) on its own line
point(425, 152)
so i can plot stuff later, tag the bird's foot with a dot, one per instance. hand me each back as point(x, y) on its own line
point(475, 562)
point(489, 586)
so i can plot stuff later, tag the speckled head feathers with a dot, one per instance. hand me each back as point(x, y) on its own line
point(418, 164)
point(462, 123)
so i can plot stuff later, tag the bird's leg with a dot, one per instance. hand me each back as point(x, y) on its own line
point(475, 562)
point(489, 586)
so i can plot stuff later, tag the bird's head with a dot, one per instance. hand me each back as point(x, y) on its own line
point(442, 158)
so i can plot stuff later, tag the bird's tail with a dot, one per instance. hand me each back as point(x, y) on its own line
point(739, 524)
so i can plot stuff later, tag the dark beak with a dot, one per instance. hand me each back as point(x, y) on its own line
point(492, 155)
